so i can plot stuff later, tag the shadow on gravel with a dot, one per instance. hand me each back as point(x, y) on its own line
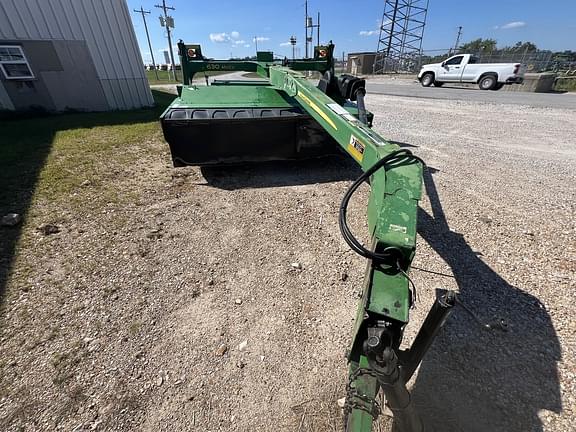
point(282, 173)
point(476, 380)
point(26, 144)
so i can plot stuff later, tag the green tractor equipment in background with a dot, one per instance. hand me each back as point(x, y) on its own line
point(285, 116)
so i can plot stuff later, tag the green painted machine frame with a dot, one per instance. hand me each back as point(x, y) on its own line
point(193, 62)
point(375, 359)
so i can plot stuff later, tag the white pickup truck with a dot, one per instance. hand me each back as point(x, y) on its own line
point(464, 68)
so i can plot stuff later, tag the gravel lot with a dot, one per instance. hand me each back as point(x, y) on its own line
point(133, 316)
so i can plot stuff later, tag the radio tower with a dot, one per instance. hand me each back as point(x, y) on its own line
point(401, 32)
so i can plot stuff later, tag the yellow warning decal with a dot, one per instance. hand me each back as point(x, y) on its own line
point(356, 148)
point(317, 109)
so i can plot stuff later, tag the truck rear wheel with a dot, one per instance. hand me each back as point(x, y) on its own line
point(487, 82)
point(427, 79)
point(498, 86)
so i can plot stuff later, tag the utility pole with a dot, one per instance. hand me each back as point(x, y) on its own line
point(458, 39)
point(256, 42)
point(293, 43)
point(309, 34)
point(318, 29)
point(169, 21)
point(306, 26)
point(143, 12)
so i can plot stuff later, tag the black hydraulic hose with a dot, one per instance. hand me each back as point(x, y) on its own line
point(397, 157)
point(360, 93)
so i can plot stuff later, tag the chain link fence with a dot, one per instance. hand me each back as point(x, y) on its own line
point(410, 63)
point(535, 61)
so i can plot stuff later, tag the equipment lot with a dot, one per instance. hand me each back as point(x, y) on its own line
point(130, 317)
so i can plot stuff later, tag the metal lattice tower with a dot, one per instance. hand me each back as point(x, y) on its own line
point(401, 32)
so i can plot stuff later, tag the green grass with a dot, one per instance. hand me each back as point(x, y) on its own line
point(565, 84)
point(62, 166)
point(72, 144)
point(164, 77)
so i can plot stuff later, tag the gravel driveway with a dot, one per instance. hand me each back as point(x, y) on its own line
point(185, 310)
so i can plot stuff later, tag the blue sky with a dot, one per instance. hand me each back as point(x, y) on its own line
point(226, 27)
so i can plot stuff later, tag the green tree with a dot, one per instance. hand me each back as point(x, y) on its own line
point(521, 47)
point(478, 46)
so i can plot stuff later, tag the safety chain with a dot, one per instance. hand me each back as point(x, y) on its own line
point(353, 397)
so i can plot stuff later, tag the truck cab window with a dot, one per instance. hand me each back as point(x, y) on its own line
point(454, 61)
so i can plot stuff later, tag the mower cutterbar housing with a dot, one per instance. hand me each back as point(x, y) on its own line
point(235, 121)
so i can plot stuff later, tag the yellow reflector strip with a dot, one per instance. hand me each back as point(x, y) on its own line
point(317, 109)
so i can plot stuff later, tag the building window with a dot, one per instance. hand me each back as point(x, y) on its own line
point(13, 63)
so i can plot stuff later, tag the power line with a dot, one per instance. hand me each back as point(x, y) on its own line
point(143, 12)
point(306, 26)
point(169, 22)
point(317, 25)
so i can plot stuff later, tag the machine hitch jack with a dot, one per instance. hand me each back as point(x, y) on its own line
point(393, 372)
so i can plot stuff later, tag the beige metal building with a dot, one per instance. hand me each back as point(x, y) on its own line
point(70, 55)
point(361, 63)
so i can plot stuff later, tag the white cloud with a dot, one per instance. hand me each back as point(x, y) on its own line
point(511, 25)
point(233, 37)
point(219, 37)
point(284, 44)
point(260, 39)
point(368, 32)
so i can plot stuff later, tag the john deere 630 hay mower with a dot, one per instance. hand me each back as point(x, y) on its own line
point(284, 115)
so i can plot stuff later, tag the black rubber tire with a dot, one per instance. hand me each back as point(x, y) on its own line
point(438, 84)
point(427, 79)
point(498, 86)
point(488, 82)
